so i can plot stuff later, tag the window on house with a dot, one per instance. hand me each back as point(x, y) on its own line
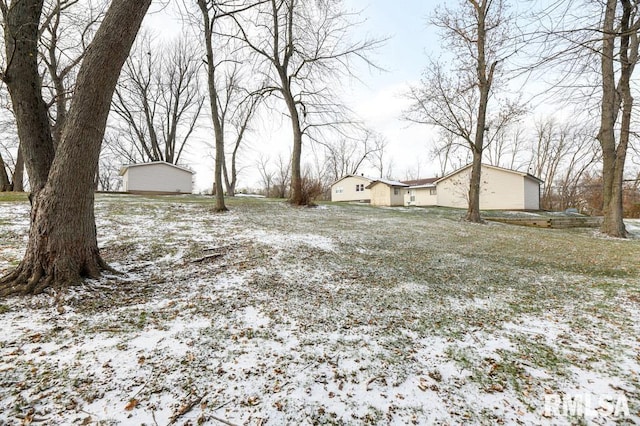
point(360, 187)
point(396, 191)
point(339, 190)
point(432, 191)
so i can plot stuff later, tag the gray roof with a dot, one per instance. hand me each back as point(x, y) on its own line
point(388, 182)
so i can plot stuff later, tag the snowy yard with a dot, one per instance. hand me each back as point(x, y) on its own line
point(341, 314)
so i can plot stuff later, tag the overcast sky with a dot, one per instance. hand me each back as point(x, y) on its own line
point(379, 101)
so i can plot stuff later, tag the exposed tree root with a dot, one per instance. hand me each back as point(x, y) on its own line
point(28, 280)
point(24, 281)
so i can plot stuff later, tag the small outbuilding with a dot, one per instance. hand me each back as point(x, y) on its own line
point(387, 193)
point(157, 177)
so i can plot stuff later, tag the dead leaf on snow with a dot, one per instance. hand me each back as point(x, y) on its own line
point(133, 403)
point(423, 385)
point(496, 387)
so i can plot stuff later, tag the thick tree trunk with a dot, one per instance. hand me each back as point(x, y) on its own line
point(18, 173)
point(613, 157)
point(62, 245)
point(218, 190)
point(5, 184)
point(296, 196)
point(232, 181)
point(23, 82)
point(473, 211)
point(613, 175)
point(229, 183)
point(485, 79)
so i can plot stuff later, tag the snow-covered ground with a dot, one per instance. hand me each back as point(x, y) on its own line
point(342, 315)
point(633, 227)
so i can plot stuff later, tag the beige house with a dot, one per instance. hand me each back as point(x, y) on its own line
point(387, 192)
point(157, 177)
point(351, 188)
point(421, 192)
point(500, 189)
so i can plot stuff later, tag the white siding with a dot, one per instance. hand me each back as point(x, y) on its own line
point(500, 189)
point(422, 197)
point(453, 191)
point(397, 195)
point(346, 189)
point(386, 195)
point(157, 177)
point(531, 194)
point(380, 195)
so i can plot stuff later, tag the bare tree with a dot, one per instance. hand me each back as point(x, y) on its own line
point(62, 246)
point(379, 160)
point(282, 177)
point(275, 175)
point(449, 151)
point(618, 58)
point(506, 149)
point(266, 174)
point(595, 47)
point(8, 144)
point(107, 177)
point(65, 31)
point(211, 13)
point(457, 98)
point(241, 107)
point(22, 78)
point(5, 183)
point(349, 155)
point(413, 172)
point(158, 100)
point(303, 49)
point(65, 28)
point(561, 153)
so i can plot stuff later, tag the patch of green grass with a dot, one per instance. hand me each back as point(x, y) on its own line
point(370, 292)
point(14, 197)
point(537, 352)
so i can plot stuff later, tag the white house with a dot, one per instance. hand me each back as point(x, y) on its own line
point(157, 177)
point(351, 188)
point(387, 192)
point(421, 192)
point(500, 189)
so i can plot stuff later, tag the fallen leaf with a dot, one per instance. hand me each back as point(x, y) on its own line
point(133, 403)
